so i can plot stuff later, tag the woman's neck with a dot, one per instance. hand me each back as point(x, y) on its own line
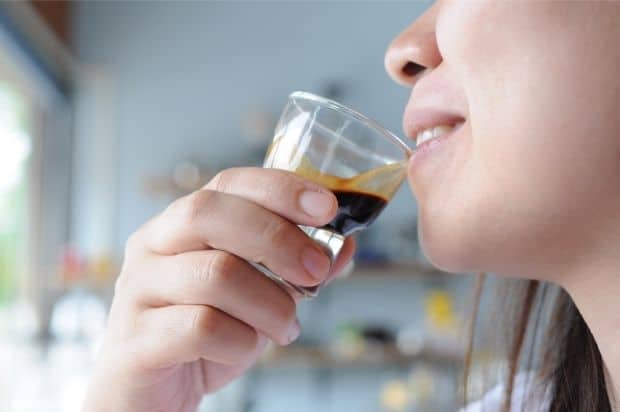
point(595, 289)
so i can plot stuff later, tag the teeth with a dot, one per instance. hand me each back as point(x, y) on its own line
point(433, 132)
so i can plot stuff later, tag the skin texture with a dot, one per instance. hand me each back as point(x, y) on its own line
point(528, 188)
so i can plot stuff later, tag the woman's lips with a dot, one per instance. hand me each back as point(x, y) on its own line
point(428, 144)
point(434, 117)
point(429, 128)
point(432, 153)
point(431, 133)
point(424, 119)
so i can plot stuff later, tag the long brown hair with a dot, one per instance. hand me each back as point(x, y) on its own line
point(546, 332)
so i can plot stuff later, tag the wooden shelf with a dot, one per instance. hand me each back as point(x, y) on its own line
point(400, 267)
point(318, 357)
point(407, 270)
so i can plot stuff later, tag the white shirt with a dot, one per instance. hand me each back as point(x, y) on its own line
point(528, 395)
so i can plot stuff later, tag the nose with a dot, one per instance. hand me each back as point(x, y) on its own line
point(414, 50)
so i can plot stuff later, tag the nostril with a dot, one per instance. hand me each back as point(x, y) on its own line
point(411, 69)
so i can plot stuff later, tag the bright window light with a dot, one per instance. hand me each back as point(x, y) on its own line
point(14, 141)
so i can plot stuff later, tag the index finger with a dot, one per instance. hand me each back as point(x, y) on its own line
point(284, 193)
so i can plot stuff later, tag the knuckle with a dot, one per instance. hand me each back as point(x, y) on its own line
point(224, 179)
point(221, 264)
point(277, 232)
point(132, 243)
point(203, 322)
point(129, 285)
point(120, 283)
point(195, 205)
point(199, 269)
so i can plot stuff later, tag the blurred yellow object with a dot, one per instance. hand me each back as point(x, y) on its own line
point(101, 269)
point(439, 307)
point(395, 396)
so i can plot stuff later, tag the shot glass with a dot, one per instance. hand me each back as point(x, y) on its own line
point(355, 157)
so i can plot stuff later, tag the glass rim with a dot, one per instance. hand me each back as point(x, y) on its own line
point(339, 107)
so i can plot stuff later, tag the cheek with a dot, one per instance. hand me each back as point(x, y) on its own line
point(524, 197)
point(538, 182)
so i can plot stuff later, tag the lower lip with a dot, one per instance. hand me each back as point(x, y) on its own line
point(429, 147)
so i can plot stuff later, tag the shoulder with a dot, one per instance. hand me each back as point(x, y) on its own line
point(529, 394)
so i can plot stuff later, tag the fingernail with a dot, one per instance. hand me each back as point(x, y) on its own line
point(294, 331)
point(316, 263)
point(316, 204)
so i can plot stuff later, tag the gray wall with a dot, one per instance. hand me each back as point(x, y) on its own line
point(183, 73)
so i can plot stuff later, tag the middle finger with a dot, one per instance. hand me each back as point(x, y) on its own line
point(226, 282)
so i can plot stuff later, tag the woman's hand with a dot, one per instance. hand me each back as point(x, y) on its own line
point(189, 313)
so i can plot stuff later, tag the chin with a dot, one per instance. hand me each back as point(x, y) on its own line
point(443, 254)
point(458, 243)
point(450, 244)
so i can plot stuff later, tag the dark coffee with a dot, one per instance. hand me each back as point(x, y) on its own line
point(356, 210)
point(361, 197)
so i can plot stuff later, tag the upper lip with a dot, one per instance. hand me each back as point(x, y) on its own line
point(435, 100)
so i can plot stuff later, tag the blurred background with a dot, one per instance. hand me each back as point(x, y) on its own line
point(109, 110)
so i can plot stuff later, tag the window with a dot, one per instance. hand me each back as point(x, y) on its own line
point(15, 143)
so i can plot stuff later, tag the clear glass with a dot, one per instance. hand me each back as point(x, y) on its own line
point(359, 160)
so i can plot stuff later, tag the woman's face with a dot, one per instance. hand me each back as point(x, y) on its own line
point(530, 181)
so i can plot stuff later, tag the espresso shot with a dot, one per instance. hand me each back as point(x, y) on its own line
point(361, 198)
point(356, 211)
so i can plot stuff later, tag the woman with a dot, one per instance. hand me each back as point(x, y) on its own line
point(522, 183)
